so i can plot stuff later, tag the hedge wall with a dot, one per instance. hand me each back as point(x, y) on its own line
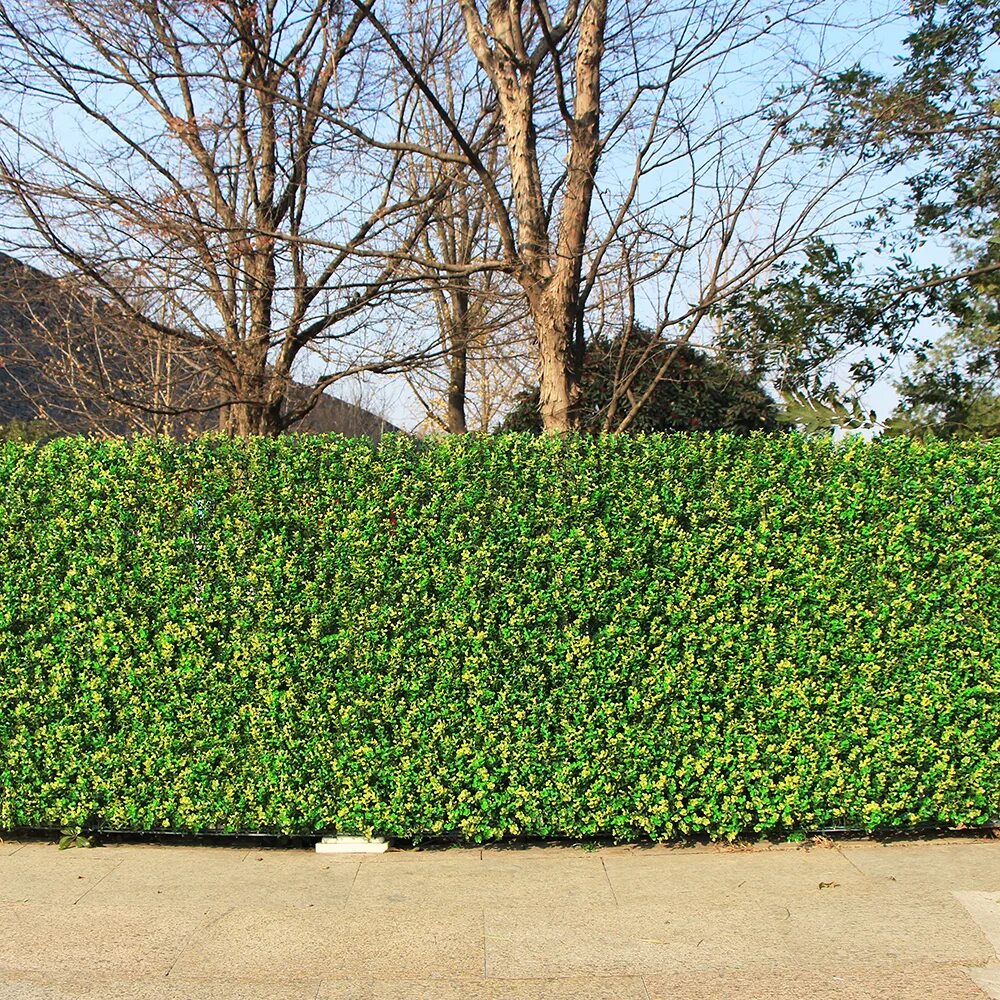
point(497, 637)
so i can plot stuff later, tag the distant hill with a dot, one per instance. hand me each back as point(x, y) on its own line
point(68, 358)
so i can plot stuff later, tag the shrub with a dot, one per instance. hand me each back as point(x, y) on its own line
point(695, 392)
point(496, 637)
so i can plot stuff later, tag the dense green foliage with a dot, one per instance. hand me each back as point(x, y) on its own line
point(500, 636)
point(933, 123)
point(937, 118)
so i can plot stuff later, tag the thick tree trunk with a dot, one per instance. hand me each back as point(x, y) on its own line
point(256, 407)
point(558, 376)
point(557, 387)
point(247, 419)
point(457, 377)
point(458, 324)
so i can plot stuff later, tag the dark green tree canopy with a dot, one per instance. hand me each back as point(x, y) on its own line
point(953, 392)
point(818, 318)
point(695, 392)
point(938, 117)
point(935, 121)
point(28, 431)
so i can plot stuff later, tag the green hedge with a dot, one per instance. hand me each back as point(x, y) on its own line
point(497, 637)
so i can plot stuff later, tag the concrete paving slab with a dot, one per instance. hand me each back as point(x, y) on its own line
point(823, 929)
point(224, 879)
point(405, 989)
point(925, 982)
point(9, 847)
point(153, 854)
point(122, 943)
point(613, 941)
point(415, 943)
point(44, 874)
point(984, 908)
point(565, 879)
point(497, 877)
point(886, 928)
point(427, 855)
point(639, 879)
point(488, 924)
point(540, 852)
point(381, 942)
point(946, 865)
point(616, 988)
point(988, 981)
point(160, 988)
point(445, 879)
point(604, 988)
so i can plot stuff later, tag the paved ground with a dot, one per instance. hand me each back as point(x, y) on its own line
point(911, 921)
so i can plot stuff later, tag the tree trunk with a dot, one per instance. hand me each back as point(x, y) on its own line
point(457, 376)
point(558, 378)
point(458, 358)
point(255, 411)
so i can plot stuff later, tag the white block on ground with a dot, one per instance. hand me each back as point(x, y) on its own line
point(352, 845)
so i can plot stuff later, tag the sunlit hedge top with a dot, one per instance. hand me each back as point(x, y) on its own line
point(499, 636)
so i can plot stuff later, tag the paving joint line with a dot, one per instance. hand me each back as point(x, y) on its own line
point(850, 861)
point(202, 925)
point(94, 885)
point(350, 888)
point(614, 895)
point(485, 977)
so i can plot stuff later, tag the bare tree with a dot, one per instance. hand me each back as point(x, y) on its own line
point(182, 159)
point(645, 161)
point(475, 306)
